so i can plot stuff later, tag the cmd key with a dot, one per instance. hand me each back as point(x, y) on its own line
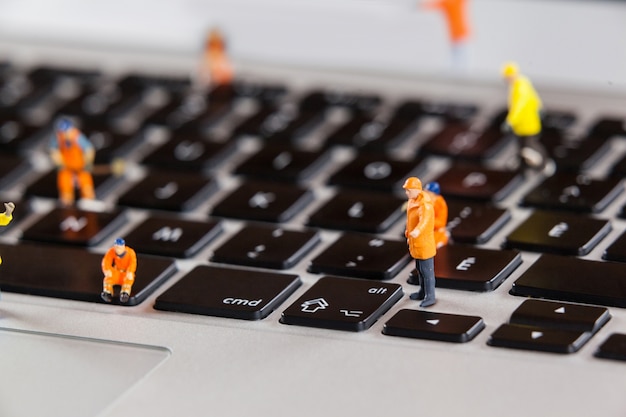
point(342, 304)
point(227, 292)
point(575, 280)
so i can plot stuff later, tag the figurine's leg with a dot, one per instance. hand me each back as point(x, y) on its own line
point(419, 295)
point(65, 186)
point(107, 286)
point(534, 155)
point(85, 182)
point(426, 269)
point(127, 286)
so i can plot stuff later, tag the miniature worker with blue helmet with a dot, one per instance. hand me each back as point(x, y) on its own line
point(118, 266)
point(442, 235)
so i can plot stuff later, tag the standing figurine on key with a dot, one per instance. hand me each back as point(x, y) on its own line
point(118, 266)
point(524, 119)
point(215, 67)
point(420, 234)
point(7, 216)
point(73, 154)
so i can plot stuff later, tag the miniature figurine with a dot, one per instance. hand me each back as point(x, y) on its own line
point(73, 154)
point(7, 216)
point(420, 234)
point(118, 265)
point(442, 235)
point(215, 67)
point(524, 119)
point(458, 27)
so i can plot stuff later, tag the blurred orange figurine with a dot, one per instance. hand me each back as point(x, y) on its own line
point(442, 235)
point(215, 68)
point(118, 266)
point(73, 155)
point(7, 216)
point(458, 27)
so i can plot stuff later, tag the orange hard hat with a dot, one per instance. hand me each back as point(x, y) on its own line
point(412, 183)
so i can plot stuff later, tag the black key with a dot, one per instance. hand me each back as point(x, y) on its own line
point(187, 109)
point(561, 233)
point(538, 338)
point(320, 100)
point(138, 82)
point(362, 256)
point(371, 133)
point(73, 226)
point(558, 315)
point(573, 155)
point(264, 93)
point(375, 172)
point(281, 124)
point(17, 135)
point(110, 145)
point(478, 183)
point(572, 192)
point(11, 167)
point(174, 191)
point(72, 273)
point(252, 125)
point(168, 236)
point(342, 304)
point(189, 152)
point(607, 127)
point(617, 250)
point(447, 110)
point(420, 324)
point(475, 269)
point(46, 186)
point(45, 73)
point(576, 280)
point(264, 201)
point(266, 247)
point(471, 222)
point(282, 163)
point(614, 347)
point(358, 211)
point(458, 140)
point(232, 293)
point(101, 104)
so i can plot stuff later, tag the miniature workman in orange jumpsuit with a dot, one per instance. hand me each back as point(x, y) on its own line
point(7, 216)
point(73, 155)
point(215, 67)
point(420, 234)
point(118, 265)
point(458, 28)
point(442, 235)
point(524, 119)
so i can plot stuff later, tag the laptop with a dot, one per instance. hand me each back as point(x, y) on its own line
point(273, 276)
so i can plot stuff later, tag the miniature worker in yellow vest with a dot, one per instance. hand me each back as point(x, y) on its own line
point(118, 266)
point(524, 119)
point(7, 216)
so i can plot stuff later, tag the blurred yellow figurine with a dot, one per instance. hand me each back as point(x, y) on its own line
point(215, 67)
point(7, 216)
point(524, 119)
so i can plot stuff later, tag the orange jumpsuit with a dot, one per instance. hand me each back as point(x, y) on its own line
point(441, 219)
point(454, 11)
point(119, 270)
point(216, 69)
point(420, 215)
point(73, 154)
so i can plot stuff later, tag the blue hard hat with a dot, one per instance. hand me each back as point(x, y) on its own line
point(64, 124)
point(433, 187)
point(120, 242)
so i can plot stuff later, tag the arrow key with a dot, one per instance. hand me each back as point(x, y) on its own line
point(420, 324)
point(538, 338)
point(559, 315)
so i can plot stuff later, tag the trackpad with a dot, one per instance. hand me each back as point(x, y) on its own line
point(45, 374)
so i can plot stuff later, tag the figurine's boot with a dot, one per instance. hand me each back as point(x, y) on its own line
point(124, 297)
point(420, 294)
point(429, 290)
point(106, 296)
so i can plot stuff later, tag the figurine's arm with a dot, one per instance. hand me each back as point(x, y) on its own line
point(7, 216)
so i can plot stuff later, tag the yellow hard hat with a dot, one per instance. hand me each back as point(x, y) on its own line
point(510, 69)
point(412, 183)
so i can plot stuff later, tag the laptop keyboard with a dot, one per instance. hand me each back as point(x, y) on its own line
point(265, 181)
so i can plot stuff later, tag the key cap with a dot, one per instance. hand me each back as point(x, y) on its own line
point(264, 93)
point(46, 186)
point(447, 110)
point(231, 293)
point(577, 281)
point(375, 172)
point(189, 152)
point(11, 168)
point(172, 191)
point(73, 273)
point(572, 192)
point(17, 135)
point(420, 324)
point(251, 125)
point(614, 347)
point(342, 304)
point(320, 100)
point(100, 104)
point(263, 201)
point(266, 247)
point(471, 222)
point(139, 82)
point(186, 109)
point(538, 338)
point(561, 233)
point(282, 125)
point(559, 315)
point(458, 140)
point(473, 182)
point(474, 269)
point(362, 256)
point(617, 250)
point(358, 211)
point(573, 154)
point(606, 127)
point(282, 163)
point(72, 226)
point(46, 73)
point(371, 133)
point(168, 236)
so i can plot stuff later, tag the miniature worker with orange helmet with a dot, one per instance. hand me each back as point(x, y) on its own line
point(420, 234)
point(73, 155)
point(524, 119)
point(215, 67)
point(442, 235)
point(455, 14)
point(118, 265)
point(7, 216)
